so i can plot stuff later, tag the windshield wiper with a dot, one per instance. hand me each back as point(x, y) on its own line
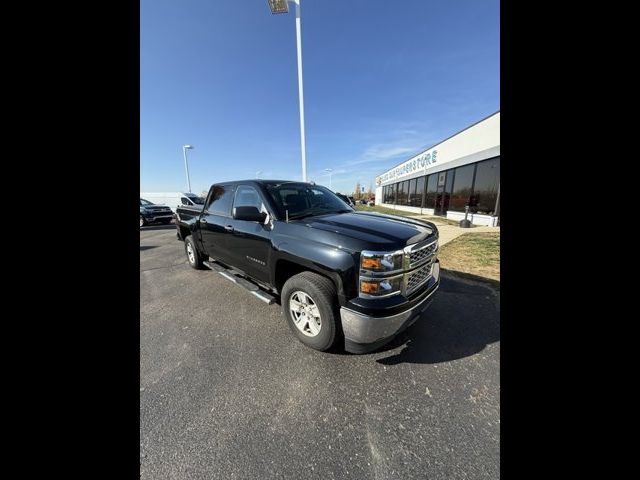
point(301, 215)
point(317, 212)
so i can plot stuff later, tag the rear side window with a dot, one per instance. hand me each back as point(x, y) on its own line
point(220, 200)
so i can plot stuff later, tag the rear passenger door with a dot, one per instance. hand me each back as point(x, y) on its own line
point(215, 222)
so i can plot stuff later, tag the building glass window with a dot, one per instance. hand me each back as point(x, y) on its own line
point(485, 190)
point(419, 193)
point(430, 195)
point(462, 188)
point(401, 197)
point(412, 192)
point(391, 193)
point(406, 190)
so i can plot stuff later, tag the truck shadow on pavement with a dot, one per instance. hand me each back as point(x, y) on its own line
point(462, 320)
point(147, 247)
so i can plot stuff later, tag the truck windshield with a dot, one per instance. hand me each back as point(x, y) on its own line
point(303, 200)
point(145, 202)
point(197, 200)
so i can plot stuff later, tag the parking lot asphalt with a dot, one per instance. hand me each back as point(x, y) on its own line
point(226, 391)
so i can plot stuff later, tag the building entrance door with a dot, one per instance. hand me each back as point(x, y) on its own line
point(443, 192)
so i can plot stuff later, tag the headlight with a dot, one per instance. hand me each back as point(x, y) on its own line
point(381, 286)
point(381, 262)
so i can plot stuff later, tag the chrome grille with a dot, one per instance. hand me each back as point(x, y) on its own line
point(419, 276)
point(419, 256)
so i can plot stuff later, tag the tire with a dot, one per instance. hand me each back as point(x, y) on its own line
point(143, 222)
point(322, 295)
point(195, 260)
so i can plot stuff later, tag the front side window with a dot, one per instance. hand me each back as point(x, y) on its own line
point(185, 201)
point(220, 200)
point(247, 196)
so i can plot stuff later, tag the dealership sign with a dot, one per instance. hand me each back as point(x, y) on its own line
point(417, 164)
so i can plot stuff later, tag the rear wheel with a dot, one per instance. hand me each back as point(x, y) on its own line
point(310, 307)
point(194, 257)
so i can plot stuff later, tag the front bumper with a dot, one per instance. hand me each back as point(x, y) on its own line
point(364, 333)
point(158, 217)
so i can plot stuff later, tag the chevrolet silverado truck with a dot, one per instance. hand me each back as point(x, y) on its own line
point(341, 276)
point(150, 213)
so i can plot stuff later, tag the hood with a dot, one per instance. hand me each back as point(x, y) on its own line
point(155, 207)
point(372, 231)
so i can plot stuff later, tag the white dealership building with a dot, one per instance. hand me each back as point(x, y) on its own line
point(460, 171)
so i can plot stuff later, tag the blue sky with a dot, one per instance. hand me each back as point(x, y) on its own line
point(382, 81)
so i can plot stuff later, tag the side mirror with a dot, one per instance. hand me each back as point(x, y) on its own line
point(250, 214)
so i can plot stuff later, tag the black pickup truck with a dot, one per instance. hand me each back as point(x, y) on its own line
point(340, 275)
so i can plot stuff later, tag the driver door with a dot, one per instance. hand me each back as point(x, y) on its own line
point(250, 242)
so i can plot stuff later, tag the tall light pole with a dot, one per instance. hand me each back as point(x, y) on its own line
point(329, 170)
point(186, 164)
point(281, 6)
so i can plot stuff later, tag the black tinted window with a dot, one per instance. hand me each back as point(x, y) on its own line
point(462, 188)
point(417, 198)
point(485, 190)
point(185, 201)
point(430, 196)
point(220, 201)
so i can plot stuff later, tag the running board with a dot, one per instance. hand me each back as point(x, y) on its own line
point(243, 282)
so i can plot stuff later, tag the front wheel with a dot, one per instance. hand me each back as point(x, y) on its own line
point(309, 305)
point(193, 255)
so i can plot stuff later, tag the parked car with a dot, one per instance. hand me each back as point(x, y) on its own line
point(151, 213)
point(174, 199)
point(341, 276)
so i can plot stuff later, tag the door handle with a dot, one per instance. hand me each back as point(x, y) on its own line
point(229, 228)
